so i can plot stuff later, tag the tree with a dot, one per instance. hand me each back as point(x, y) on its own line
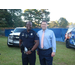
point(36, 16)
point(63, 23)
point(3, 18)
point(45, 14)
point(16, 17)
point(53, 24)
point(10, 17)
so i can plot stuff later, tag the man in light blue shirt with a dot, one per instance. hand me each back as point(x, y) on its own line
point(47, 45)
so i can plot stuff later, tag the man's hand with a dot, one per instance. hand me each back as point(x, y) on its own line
point(37, 52)
point(53, 54)
point(28, 52)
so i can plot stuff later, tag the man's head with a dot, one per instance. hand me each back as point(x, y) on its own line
point(29, 25)
point(44, 25)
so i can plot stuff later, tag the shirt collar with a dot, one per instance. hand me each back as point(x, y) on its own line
point(45, 30)
point(29, 31)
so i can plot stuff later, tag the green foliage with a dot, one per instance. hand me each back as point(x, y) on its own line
point(16, 17)
point(63, 23)
point(3, 17)
point(36, 16)
point(53, 24)
point(10, 18)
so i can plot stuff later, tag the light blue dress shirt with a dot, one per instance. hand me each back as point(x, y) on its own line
point(49, 39)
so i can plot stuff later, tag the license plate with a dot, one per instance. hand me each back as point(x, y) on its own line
point(16, 41)
point(10, 41)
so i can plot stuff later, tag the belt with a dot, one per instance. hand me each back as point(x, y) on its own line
point(45, 49)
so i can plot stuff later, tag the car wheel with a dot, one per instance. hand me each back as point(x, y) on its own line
point(67, 44)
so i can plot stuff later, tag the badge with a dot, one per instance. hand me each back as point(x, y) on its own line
point(31, 33)
point(23, 34)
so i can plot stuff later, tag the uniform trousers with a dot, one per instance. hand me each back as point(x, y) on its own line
point(31, 58)
point(45, 56)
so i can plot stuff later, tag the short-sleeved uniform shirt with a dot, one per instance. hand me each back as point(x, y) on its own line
point(28, 38)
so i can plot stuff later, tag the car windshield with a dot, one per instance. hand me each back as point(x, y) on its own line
point(69, 30)
point(73, 30)
point(18, 30)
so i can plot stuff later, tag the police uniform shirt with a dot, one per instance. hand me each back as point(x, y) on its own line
point(28, 38)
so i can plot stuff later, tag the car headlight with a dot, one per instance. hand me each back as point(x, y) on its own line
point(11, 37)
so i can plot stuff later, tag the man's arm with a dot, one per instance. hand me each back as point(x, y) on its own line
point(36, 42)
point(34, 47)
point(53, 44)
point(20, 39)
point(20, 42)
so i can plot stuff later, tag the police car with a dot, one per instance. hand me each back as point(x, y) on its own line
point(13, 38)
point(70, 37)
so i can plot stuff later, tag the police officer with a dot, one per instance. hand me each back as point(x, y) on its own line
point(29, 41)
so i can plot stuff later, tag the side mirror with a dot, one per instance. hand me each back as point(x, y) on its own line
point(12, 31)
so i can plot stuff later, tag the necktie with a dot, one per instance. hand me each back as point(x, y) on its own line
point(42, 39)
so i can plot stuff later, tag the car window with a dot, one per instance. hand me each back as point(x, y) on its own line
point(18, 30)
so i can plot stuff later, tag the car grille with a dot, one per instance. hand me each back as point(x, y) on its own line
point(16, 38)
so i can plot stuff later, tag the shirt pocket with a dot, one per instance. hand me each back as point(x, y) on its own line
point(24, 36)
point(31, 36)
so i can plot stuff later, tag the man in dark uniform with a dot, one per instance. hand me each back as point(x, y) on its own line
point(29, 41)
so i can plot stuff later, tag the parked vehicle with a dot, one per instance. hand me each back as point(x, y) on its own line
point(13, 38)
point(70, 37)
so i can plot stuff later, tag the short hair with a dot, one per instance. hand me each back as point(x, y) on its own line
point(29, 22)
point(43, 21)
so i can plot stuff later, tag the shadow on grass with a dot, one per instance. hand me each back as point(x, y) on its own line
point(14, 47)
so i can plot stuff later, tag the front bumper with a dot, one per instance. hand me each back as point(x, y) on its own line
point(71, 45)
point(13, 42)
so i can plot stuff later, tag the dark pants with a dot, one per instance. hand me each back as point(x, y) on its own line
point(31, 58)
point(45, 56)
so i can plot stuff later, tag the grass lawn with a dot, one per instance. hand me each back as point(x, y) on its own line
point(12, 55)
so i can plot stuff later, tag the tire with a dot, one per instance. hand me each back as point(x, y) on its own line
point(67, 44)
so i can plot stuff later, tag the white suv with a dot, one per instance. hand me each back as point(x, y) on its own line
point(13, 38)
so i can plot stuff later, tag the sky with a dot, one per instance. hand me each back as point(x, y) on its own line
point(56, 14)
